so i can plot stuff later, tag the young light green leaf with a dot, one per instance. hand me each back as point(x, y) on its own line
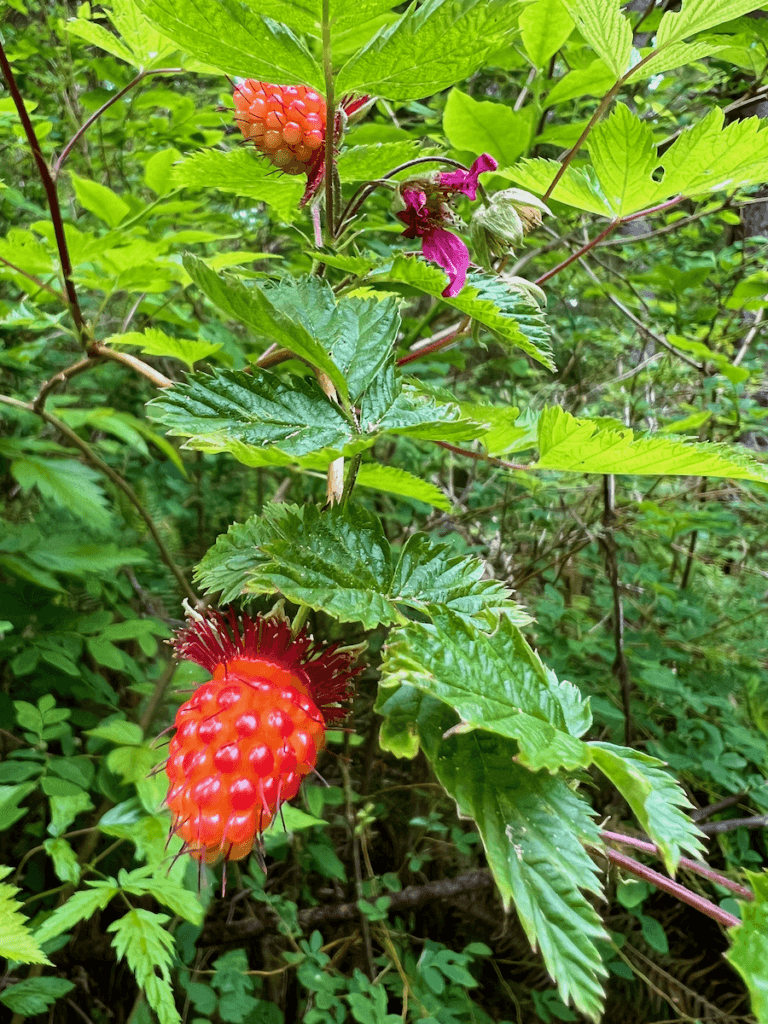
point(95, 34)
point(656, 799)
point(100, 200)
point(710, 158)
point(429, 48)
point(235, 39)
point(33, 996)
point(578, 187)
point(65, 862)
point(149, 47)
point(545, 25)
point(393, 480)
point(16, 940)
point(141, 938)
point(624, 157)
point(748, 953)
point(482, 126)
point(581, 446)
point(533, 827)
point(606, 29)
point(242, 173)
point(181, 901)
point(593, 80)
point(698, 16)
point(79, 907)
point(493, 682)
point(154, 342)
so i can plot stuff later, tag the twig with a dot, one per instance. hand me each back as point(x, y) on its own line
point(52, 197)
point(440, 341)
point(101, 351)
point(685, 862)
point(714, 828)
point(117, 480)
point(721, 805)
point(693, 899)
point(620, 666)
point(105, 106)
point(410, 898)
point(34, 280)
point(481, 457)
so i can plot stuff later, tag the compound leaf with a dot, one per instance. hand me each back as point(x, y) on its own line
point(141, 938)
point(16, 940)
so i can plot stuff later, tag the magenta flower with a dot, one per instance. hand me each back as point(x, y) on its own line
point(424, 209)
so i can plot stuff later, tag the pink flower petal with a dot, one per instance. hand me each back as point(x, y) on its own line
point(449, 252)
point(466, 181)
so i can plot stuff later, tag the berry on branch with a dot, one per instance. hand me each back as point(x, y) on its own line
point(245, 740)
point(285, 122)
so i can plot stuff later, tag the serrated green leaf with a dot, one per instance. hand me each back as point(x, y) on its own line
point(578, 187)
point(16, 940)
point(100, 200)
point(34, 995)
point(150, 47)
point(357, 334)
point(657, 801)
point(581, 446)
point(593, 80)
point(154, 342)
point(95, 34)
point(493, 682)
point(544, 25)
point(118, 731)
point(515, 321)
point(254, 307)
point(181, 901)
point(234, 39)
point(624, 158)
point(340, 561)
point(698, 16)
point(606, 29)
point(429, 48)
point(711, 158)
point(67, 483)
point(240, 172)
point(748, 952)
point(392, 480)
point(256, 409)
point(365, 163)
point(65, 862)
point(146, 945)
point(79, 907)
point(677, 55)
point(532, 826)
point(483, 126)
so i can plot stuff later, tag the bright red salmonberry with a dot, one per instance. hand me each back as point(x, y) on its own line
point(245, 740)
point(285, 122)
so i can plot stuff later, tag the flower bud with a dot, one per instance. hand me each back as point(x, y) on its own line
point(499, 226)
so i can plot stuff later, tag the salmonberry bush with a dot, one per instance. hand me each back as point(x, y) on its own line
point(384, 538)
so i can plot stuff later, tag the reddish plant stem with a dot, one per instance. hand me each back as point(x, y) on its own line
point(603, 105)
point(480, 457)
point(693, 899)
point(605, 233)
point(95, 116)
point(435, 346)
point(33, 279)
point(52, 197)
point(685, 862)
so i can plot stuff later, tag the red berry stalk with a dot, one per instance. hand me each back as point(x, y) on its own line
point(245, 740)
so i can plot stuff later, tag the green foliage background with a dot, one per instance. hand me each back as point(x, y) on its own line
point(596, 495)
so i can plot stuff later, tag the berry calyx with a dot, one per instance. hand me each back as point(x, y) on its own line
point(285, 122)
point(246, 739)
